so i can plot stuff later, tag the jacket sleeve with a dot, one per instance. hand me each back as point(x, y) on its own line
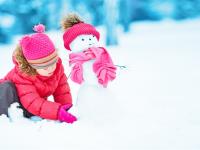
point(62, 93)
point(34, 104)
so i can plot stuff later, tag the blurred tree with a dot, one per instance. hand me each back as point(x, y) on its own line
point(187, 9)
point(96, 9)
point(3, 37)
point(125, 10)
point(54, 8)
point(29, 13)
point(82, 9)
point(142, 10)
point(6, 22)
point(162, 9)
point(111, 15)
point(6, 27)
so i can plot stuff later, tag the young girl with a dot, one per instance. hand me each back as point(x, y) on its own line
point(38, 73)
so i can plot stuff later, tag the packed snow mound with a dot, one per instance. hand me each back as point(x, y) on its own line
point(36, 133)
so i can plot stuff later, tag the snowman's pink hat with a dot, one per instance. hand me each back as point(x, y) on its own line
point(76, 30)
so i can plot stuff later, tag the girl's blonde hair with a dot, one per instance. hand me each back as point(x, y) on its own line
point(24, 66)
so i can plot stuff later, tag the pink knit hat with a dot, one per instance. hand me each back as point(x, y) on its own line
point(38, 49)
point(76, 30)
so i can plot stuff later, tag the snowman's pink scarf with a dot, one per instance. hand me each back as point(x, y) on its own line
point(103, 66)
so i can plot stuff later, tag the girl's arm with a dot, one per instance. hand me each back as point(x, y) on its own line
point(62, 93)
point(36, 105)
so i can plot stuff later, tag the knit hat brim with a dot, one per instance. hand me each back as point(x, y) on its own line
point(45, 61)
point(76, 30)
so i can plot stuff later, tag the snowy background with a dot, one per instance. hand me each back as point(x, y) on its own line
point(156, 98)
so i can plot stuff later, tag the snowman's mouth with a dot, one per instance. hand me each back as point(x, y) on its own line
point(91, 44)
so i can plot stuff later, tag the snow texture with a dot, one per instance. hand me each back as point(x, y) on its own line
point(155, 99)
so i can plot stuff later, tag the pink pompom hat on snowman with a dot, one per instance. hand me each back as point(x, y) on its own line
point(76, 30)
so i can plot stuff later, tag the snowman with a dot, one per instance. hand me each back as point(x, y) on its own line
point(91, 67)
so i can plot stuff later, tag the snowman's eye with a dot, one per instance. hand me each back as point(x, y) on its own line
point(82, 39)
point(90, 39)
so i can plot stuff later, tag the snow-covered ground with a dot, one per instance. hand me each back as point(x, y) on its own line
point(156, 97)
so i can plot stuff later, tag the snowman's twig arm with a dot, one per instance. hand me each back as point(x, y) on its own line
point(69, 75)
point(121, 67)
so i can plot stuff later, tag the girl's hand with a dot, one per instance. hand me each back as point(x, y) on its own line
point(65, 116)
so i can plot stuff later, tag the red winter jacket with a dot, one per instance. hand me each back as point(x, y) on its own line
point(33, 91)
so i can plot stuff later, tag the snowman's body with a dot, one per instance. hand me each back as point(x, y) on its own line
point(93, 101)
point(79, 44)
point(88, 74)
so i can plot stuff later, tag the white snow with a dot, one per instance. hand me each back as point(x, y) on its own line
point(157, 96)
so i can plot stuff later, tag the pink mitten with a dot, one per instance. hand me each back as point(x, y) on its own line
point(67, 106)
point(65, 116)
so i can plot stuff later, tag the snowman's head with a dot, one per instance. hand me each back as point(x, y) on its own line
point(83, 42)
point(78, 35)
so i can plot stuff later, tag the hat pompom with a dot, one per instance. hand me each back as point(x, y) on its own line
point(40, 28)
point(70, 20)
point(25, 41)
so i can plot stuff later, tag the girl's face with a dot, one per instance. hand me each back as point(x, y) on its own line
point(47, 71)
point(83, 42)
